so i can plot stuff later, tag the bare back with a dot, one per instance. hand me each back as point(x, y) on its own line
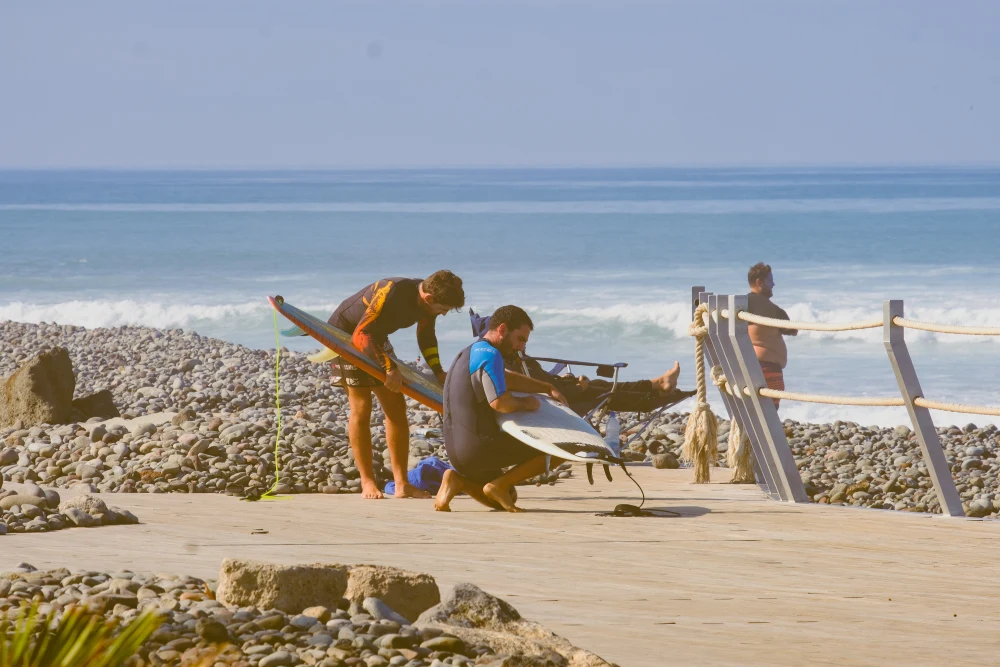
point(768, 342)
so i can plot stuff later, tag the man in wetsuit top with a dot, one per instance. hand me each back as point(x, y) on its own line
point(768, 342)
point(476, 388)
point(370, 316)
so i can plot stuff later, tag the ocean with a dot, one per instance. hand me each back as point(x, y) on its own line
point(603, 259)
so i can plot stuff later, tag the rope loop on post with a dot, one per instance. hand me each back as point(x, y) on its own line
point(701, 444)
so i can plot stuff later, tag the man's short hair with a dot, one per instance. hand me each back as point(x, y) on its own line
point(758, 271)
point(445, 288)
point(512, 316)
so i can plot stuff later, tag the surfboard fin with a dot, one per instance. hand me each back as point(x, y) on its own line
point(293, 331)
point(590, 473)
point(607, 473)
point(323, 356)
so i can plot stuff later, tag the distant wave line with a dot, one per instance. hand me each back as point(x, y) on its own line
point(619, 207)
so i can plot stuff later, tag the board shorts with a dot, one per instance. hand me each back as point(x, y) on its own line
point(486, 461)
point(346, 374)
point(774, 377)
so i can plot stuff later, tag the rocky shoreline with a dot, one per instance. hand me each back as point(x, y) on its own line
point(221, 437)
point(328, 615)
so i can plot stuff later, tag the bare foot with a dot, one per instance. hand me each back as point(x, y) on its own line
point(451, 486)
point(370, 490)
point(501, 496)
point(668, 381)
point(407, 490)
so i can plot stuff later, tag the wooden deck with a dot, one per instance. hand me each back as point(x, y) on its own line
point(736, 580)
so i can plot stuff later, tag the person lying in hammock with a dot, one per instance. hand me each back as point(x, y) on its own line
point(584, 394)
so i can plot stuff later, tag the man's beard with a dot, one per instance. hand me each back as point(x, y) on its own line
point(506, 348)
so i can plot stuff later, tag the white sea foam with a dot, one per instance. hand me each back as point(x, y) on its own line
point(111, 313)
point(654, 319)
point(646, 334)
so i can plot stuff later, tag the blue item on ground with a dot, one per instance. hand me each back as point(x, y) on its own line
point(427, 475)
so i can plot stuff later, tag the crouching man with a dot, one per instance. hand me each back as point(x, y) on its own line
point(476, 388)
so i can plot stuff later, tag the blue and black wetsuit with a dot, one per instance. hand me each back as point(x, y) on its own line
point(477, 447)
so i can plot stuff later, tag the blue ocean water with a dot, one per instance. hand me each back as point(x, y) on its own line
point(602, 258)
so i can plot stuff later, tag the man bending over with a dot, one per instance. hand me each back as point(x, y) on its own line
point(476, 388)
point(370, 316)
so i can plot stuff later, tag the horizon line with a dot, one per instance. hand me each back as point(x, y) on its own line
point(509, 166)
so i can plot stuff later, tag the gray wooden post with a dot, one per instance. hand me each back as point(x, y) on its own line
point(762, 477)
point(755, 427)
point(787, 471)
point(923, 425)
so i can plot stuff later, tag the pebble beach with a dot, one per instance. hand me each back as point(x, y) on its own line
point(221, 436)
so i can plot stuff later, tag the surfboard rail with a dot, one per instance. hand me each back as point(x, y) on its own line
point(416, 385)
point(559, 432)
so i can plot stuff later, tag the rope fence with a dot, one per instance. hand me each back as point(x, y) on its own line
point(957, 407)
point(805, 326)
point(946, 328)
point(831, 400)
point(763, 435)
point(863, 324)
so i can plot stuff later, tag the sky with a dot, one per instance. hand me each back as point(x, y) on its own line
point(544, 83)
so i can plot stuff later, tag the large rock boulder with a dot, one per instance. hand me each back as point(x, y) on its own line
point(477, 617)
point(40, 391)
point(290, 588)
point(407, 593)
point(99, 404)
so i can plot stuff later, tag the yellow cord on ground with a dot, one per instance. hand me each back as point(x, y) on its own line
point(269, 494)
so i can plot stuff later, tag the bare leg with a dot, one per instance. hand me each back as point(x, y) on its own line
point(499, 490)
point(453, 484)
point(668, 381)
point(397, 434)
point(360, 435)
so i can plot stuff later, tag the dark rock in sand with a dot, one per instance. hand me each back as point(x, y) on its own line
point(99, 404)
point(666, 461)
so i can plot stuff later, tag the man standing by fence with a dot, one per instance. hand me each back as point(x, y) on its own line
point(768, 342)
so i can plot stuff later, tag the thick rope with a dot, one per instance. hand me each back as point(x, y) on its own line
point(805, 326)
point(701, 443)
point(946, 328)
point(833, 400)
point(957, 407)
point(739, 456)
point(719, 380)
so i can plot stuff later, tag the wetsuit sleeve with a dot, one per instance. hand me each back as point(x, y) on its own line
point(369, 336)
point(427, 340)
point(486, 367)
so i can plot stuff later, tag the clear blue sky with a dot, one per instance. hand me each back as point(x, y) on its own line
point(339, 84)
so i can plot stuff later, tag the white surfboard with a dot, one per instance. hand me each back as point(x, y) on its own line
point(556, 430)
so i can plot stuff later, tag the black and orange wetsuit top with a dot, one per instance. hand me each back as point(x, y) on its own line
point(385, 307)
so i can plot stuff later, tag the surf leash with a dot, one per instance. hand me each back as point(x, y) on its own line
point(624, 509)
point(269, 494)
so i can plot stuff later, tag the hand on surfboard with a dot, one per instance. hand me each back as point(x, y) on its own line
point(557, 395)
point(394, 380)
